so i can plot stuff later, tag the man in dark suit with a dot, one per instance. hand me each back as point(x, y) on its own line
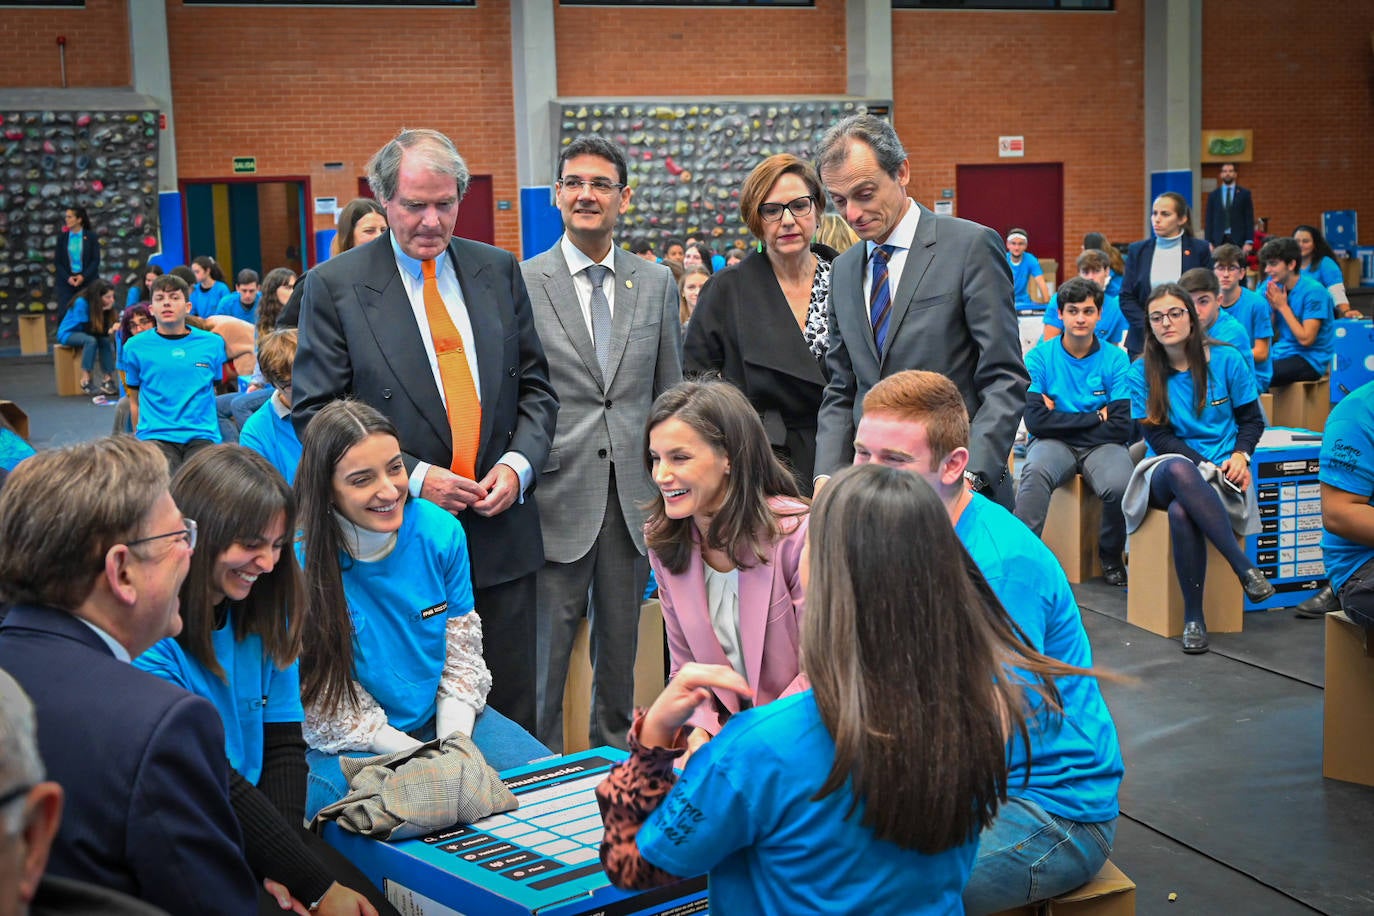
point(923, 292)
point(475, 411)
point(92, 554)
point(1230, 212)
point(613, 345)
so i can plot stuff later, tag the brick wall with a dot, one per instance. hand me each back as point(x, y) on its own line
point(1304, 83)
point(298, 87)
point(97, 46)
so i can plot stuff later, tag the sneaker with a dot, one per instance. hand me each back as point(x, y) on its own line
point(1194, 638)
point(87, 387)
point(103, 399)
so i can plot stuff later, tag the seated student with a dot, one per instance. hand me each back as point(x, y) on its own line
point(1059, 822)
point(93, 550)
point(13, 448)
point(1304, 338)
point(1202, 284)
point(1097, 241)
point(1078, 413)
point(135, 320)
point(140, 287)
point(1319, 263)
point(725, 533)
point(393, 653)
point(89, 323)
point(243, 302)
point(1200, 412)
point(1111, 324)
point(802, 806)
point(237, 648)
point(269, 431)
point(170, 375)
point(209, 287)
point(1247, 307)
point(1028, 277)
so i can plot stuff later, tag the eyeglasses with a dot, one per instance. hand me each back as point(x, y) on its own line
point(1172, 314)
point(599, 185)
point(188, 533)
point(771, 213)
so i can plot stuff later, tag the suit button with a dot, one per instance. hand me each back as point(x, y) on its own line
point(601, 453)
point(386, 392)
point(608, 403)
point(511, 372)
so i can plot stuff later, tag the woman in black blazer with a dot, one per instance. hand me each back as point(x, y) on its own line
point(763, 324)
point(1173, 243)
point(73, 275)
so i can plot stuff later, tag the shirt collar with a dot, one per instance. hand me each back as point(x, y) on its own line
point(281, 410)
point(904, 233)
point(115, 646)
point(578, 261)
point(414, 266)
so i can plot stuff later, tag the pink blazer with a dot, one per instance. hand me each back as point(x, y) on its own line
point(770, 608)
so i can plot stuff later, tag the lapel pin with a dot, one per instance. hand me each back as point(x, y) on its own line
point(629, 284)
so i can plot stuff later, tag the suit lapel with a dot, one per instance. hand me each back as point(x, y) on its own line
point(755, 604)
point(848, 277)
point(561, 290)
point(475, 279)
point(918, 260)
point(627, 290)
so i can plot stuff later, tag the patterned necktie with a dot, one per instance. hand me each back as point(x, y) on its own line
point(464, 410)
point(601, 314)
point(880, 293)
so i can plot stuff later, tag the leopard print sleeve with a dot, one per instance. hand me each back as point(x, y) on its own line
point(631, 792)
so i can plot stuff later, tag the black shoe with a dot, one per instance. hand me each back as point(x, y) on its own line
point(1114, 575)
point(1319, 605)
point(1257, 588)
point(108, 387)
point(1194, 638)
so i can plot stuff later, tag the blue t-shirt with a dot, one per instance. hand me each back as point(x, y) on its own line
point(1113, 284)
point(135, 294)
point(1021, 274)
point(1255, 315)
point(1111, 325)
point(75, 241)
point(77, 317)
point(1347, 463)
point(1078, 385)
point(1212, 434)
point(205, 301)
point(400, 606)
point(253, 692)
point(175, 378)
point(13, 449)
point(1228, 330)
point(742, 811)
point(232, 306)
point(1308, 300)
point(1075, 759)
point(1325, 272)
point(273, 437)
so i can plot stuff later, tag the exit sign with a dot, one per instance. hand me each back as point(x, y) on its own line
point(245, 165)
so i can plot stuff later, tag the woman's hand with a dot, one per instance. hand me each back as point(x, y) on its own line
point(1237, 470)
point(337, 901)
point(696, 740)
point(690, 689)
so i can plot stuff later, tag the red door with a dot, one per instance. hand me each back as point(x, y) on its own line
point(476, 214)
point(1028, 196)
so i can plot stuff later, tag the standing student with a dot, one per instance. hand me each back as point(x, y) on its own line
point(1200, 413)
point(1247, 307)
point(1027, 276)
point(1319, 263)
point(242, 611)
point(76, 257)
point(209, 287)
point(689, 287)
point(1304, 337)
point(170, 375)
point(1162, 258)
point(89, 323)
point(1093, 265)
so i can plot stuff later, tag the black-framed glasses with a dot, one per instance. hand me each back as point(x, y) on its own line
point(188, 533)
point(1174, 316)
point(599, 185)
point(771, 212)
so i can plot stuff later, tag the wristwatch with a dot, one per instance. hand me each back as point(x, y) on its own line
point(976, 481)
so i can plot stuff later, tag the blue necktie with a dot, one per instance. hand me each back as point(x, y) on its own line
point(601, 315)
point(880, 293)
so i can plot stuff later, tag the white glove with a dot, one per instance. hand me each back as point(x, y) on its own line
point(389, 740)
point(453, 715)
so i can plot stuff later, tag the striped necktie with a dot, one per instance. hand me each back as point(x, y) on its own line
point(880, 293)
point(460, 392)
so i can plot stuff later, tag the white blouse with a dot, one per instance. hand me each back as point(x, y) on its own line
point(722, 598)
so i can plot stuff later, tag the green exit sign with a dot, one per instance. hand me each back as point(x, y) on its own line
point(245, 165)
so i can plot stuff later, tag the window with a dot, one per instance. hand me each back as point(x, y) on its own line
point(1056, 5)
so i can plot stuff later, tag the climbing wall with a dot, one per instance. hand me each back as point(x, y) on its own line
point(687, 162)
point(105, 161)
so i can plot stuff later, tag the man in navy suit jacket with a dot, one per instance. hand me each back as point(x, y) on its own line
point(1230, 214)
point(92, 555)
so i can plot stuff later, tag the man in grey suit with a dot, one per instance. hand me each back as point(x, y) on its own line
point(608, 322)
point(923, 292)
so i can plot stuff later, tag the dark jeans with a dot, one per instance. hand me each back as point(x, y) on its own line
point(1357, 596)
point(178, 452)
point(1292, 369)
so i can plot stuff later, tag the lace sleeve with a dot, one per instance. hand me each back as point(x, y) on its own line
point(465, 677)
point(346, 727)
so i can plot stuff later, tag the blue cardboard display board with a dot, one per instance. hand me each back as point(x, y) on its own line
point(543, 857)
point(1354, 362)
point(1341, 228)
point(1366, 256)
point(1288, 548)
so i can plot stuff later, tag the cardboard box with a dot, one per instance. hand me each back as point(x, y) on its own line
point(1072, 529)
point(541, 858)
point(650, 674)
point(1350, 270)
point(66, 364)
point(1348, 703)
point(1288, 547)
point(1303, 405)
point(1365, 255)
point(1109, 893)
point(1161, 611)
point(1354, 360)
point(16, 417)
point(1341, 228)
point(33, 334)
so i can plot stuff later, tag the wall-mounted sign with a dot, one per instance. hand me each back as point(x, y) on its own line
point(1011, 147)
point(245, 165)
point(1228, 146)
point(944, 207)
point(326, 206)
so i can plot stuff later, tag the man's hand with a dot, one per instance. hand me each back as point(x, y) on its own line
point(1102, 413)
point(1277, 296)
point(449, 491)
point(502, 486)
point(1049, 401)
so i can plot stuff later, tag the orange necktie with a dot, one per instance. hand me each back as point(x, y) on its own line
point(464, 410)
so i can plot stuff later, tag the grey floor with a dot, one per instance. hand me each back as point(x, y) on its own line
point(1223, 805)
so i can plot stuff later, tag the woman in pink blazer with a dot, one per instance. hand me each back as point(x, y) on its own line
point(725, 534)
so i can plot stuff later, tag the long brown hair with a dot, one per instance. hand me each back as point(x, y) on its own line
point(745, 524)
point(893, 598)
point(1157, 366)
point(233, 493)
point(327, 675)
point(99, 318)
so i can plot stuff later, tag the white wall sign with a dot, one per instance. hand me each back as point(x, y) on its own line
point(1011, 147)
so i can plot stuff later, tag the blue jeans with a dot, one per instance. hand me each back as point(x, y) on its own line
point(243, 405)
point(1028, 855)
point(90, 346)
point(1051, 464)
point(501, 741)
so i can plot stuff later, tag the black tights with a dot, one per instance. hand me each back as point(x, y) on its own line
point(1195, 512)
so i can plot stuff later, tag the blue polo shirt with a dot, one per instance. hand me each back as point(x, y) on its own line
point(1211, 433)
point(269, 433)
point(1254, 314)
point(1347, 463)
point(1111, 325)
point(175, 378)
point(1078, 385)
point(1021, 274)
point(232, 306)
point(78, 318)
point(205, 301)
point(1230, 331)
point(1308, 299)
point(1325, 272)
